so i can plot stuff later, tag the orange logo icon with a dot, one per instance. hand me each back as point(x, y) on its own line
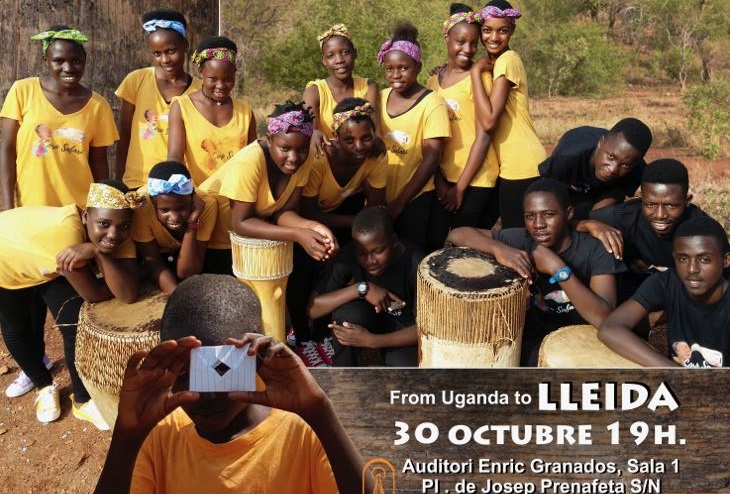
point(382, 473)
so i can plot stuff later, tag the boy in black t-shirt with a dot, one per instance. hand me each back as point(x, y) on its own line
point(641, 231)
point(575, 275)
point(601, 167)
point(695, 296)
point(370, 291)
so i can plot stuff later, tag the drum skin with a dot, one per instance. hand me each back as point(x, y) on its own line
point(578, 346)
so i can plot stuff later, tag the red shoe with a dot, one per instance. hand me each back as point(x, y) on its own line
point(327, 350)
point(309, 353)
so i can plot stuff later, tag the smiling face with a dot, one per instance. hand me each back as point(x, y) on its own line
point(461, 44)
point(107, 229)
point(168, 50)
point(663, 206)
point(699, 263)
point(173, 210)
point(338, 57)
point(66, 62)
point(356, 139)
point(373, 251)
point(401, 71)
point(614, 158)
point(288, 150)
point(219, 79)
point(496, 33)
point(546, 220)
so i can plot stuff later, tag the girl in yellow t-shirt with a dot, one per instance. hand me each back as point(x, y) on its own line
point(338, 57)
point(146, 95)
point(350, 174)
point(172, 229)
point(414, 124)
point(505, 111)
point(48, 259)
point(469, 167)
point(208, 127)
point(55, 131)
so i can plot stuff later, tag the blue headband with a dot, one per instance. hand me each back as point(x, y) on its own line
point(176, 184)
point(155, 24)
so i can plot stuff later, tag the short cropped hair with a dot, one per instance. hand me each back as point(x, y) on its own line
point(406, 31)
point(666, 171)
point(551, 186)
point(457, 8)
point(289, 106)
point(372, 220)
point(165, 169)
point(704, 226)
point(500, 4)
point(165, 15)
point(217, 42)
point(636, 133)
point(212, 308)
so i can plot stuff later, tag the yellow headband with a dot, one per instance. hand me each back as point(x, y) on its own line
point(336, 30)
point(107, 197)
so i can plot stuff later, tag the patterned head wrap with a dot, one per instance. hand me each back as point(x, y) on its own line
point(177, 184)
point(336, 30)
point(214, 54)
point(105, 196)
point(48, 37)
point(364, 110)
point(292, 121)
point(410, 49)
point(468, 17)
point(510, 14)
point(153, 25)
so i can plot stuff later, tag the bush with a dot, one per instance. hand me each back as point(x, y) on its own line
point(709, 116)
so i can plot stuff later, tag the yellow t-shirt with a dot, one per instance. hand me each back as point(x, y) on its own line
point(518, 148)
point(462, 116)
point(245, 178)
point(147, 228)
point(52, 148)
point(327, 102)
point(30, 239)
point(323, 185)
point(281, 455)
point(208, 147)
point(148, 139)
point(404, 136)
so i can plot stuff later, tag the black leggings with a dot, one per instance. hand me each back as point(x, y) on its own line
point(412, 224)
point(511, 208)
point(22, 317)
point(476, 211)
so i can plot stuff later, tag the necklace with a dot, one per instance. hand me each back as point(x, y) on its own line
point(209, 97)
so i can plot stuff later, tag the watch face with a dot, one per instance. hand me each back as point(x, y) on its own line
point(362, 289)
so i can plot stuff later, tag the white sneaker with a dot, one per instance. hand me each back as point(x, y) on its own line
point(47, 404)
point(22, 383)
point(90, 413)
point(309, 353)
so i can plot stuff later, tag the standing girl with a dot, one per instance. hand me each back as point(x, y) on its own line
point(173, 228)
point(146, 95)
point(49, 257)
point(469, 167)
point(322, 95)
point(414, 123)
point(505, 111)
point(55, 131)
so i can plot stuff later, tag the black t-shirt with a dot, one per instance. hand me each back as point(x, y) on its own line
point(570, 163)
point(550, 306)
point(699, 332)
point(640, 241)
point(399, 278)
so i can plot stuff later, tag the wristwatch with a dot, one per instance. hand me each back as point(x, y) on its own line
point(362, 289)
point(561, 274)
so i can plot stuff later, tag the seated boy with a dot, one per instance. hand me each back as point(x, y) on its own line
point(600, 166)
point(575, 275)
point(695, 296)
point(641, 231)
point(224, 442)
point(370, 290)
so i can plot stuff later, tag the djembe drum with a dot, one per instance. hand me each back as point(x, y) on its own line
point(108, 334)
point(470, 311)
point(265, 266)
point(579, 346)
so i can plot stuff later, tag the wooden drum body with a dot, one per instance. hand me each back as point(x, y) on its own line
point(108, 334)
point(579, 346)
point(265, 266)
point(470, 311)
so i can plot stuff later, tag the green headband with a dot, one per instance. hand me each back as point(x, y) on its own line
point(48, 37)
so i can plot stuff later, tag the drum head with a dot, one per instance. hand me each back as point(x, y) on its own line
point(467, 270)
